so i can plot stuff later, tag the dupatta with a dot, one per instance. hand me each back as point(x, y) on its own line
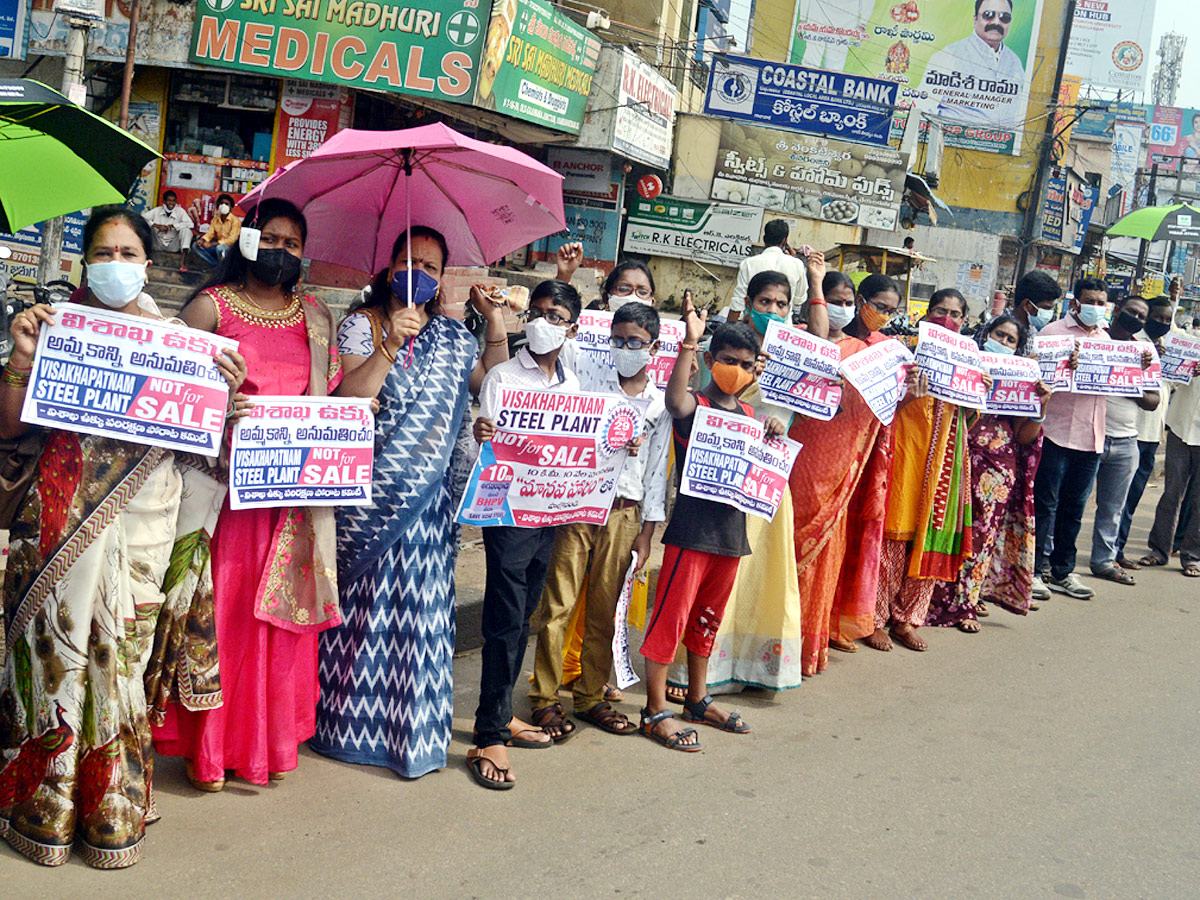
point(943, 537)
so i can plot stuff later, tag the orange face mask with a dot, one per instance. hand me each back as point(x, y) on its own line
point(730, 378)
point(873, 318)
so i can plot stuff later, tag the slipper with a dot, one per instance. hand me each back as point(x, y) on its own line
point(613, 694)
point(1149, 561)
point(524, 743)
point(475, 765)
point(1117, 574)
point(603, 716)
point(695, 713)
point(968, 626)
point(981, 609)
point(909, 639)
point(676, 694)
point(1127, 564)
point(1192, 571)
point(843, 646)
point(672, 742)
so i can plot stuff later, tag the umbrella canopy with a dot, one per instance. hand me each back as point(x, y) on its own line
point(360, 189)
point(56, 157)
point(1180, 222)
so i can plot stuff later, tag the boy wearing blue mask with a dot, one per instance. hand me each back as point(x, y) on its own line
point(1034, 299)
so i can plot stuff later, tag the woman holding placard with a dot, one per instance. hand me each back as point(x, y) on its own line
point(386, 675)
point(273, 570)
point(839, 487)
point(1004, 452)
point(89, 548)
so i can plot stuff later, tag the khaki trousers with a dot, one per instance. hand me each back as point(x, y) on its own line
point(598, 556)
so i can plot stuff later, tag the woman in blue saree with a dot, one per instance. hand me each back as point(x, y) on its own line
point(386, 673)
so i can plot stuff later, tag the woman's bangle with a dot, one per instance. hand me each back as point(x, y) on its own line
point(15, 377)
point(1039, 420)
point(686, 346)
point(390, 356)
point(817, 301)
point(497, 343)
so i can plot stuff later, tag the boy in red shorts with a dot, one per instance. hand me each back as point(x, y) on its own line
point(704, 542)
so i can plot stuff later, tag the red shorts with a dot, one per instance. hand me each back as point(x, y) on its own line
point(693, 588)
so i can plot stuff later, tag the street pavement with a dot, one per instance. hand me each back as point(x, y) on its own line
point(1049, 756)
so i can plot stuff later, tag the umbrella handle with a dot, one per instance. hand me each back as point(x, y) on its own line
point(409, 357)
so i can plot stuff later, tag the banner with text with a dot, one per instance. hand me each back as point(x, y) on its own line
point(1054, 358)
point(1014, 379)
point(1180, 357)
point(729, 461)
point(878, 374)
point(802, 372)
point(554, 459)
point(309, 114)
point(1110, 368)
point(719, 233)
point(951, 361)
point(129, 377)
point(1110, 43)
point(595, 329)
point(302, 451)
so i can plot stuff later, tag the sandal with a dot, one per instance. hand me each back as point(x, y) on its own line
point(516, 728)
point(1117, 574)
point(612, 693)
point(1191, 570)
point(603, 716)
point(844, 646)
point(671, 742)
point(475, 760)
point(909, 638)
point(1149, 561)
point(696, 713)
point(968, 626)
point(676, 694)
point(981, 609)
point(553, 717)
point(1127, 564)
point(208, 787)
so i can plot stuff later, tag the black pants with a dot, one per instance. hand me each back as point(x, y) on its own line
point(517, 562)
point(1060, 494)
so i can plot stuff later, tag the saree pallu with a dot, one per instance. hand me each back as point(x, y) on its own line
point(88, 553)
point(386, 675)
point(1001, 570)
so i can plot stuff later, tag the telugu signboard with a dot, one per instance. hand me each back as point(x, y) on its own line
point(815, 177)
point(969, 67)
point(636, 119)
point(720, 233)
point(780, 95)
point(537, 65)
point(1110, 42)
point(426, 48)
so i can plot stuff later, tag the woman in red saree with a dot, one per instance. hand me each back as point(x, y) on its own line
point(839, 487)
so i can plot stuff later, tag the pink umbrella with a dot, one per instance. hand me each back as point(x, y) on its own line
point(360, 189)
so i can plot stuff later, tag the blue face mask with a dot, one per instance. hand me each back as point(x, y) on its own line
point(996, 347)
point(424, 286)
point(1041, 318)
point(1090, 314)
point(762, 319)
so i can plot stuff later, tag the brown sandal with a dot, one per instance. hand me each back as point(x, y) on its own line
point(843, 646)
point(909, 638)
point(612, 693)
point(553, 717)
point(603, 716)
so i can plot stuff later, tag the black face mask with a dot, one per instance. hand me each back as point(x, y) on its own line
point(1155, 330)
point(275, 266)
point(1129, 323)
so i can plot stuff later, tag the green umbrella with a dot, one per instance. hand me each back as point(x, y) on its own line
point(56, 157)
point(1180, 222)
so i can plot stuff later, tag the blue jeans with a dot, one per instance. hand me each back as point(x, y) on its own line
point(211, 255)
point(1137, 487)
point(1060, 494)
point(1118, 462)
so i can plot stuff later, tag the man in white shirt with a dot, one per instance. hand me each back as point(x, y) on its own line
point(170, 225)
point(977, 79)
point(774, 258)
point(1182, 471)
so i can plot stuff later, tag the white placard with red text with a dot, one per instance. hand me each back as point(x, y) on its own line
point(878, 374)
point(1152, 378)
point(1108, 368)
point(951, 362)
point(132, 378)
point(1180, 357)
point(1013, 382)
point(728, 461)
point(595, 329)
point(1054, 356)
point(801, 373)
point(302, 451)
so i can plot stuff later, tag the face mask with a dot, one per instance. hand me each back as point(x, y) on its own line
point(760, 320)
point(945, 322)
point(1155, 330)
point(1041, 318)
point(275, 266)
point(115, 284)
point(730, 378)
point(1129, 323)
point(840, 316)
point(424, 285)
point(615, 302)
point(630, 362)
point(873, 318)
point(992, 346)
point(544, 337)
point(1090, 315)
point(223, 209)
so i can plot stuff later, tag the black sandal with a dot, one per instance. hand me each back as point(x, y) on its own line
point(475, 764)
point(672, 742)
point(554, 717)
point(695, 713)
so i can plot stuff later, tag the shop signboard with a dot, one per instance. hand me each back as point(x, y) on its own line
point(1054, 211)
point(537, 65)
point(1085, 199)
point(592, 193)
point(633, 110)
point(815, 177)
point(971, 69)
point(164, 29)
point(1110, 42)
point(719, 233)
point(309, 114)
point(1126, 152)
point(425, 48)
point(12, 29)
point(780, 95)
point(26, 247)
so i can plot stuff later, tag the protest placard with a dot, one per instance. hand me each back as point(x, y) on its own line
point(729, 461)
point(554, 459)
point(302, 451)
point(1109, 368)
point(878, 374)
point(1180, 356)
point(952, 365)
point(1013, 380)
point(622, 667)
point(801, 373)
point(1152, 378)
point(132, 378)
point(1054, 356)
point(595, 329)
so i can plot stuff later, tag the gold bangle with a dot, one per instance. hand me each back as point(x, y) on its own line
point(498, 343)
point(390, 356)
point(686, 346)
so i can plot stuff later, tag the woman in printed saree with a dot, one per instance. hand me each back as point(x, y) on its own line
point(386, 674)
point(839, 487)
point(88, 551)
point(273, 570)
point(1004, 456)
point(927, 531)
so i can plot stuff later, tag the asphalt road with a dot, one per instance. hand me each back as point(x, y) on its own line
point(1048, 756)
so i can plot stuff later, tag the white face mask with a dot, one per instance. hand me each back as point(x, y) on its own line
point(223, 209)
point(544, 337)
point(630, 362)
point(839, 316)
point(115, 284)
point(615, 302)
